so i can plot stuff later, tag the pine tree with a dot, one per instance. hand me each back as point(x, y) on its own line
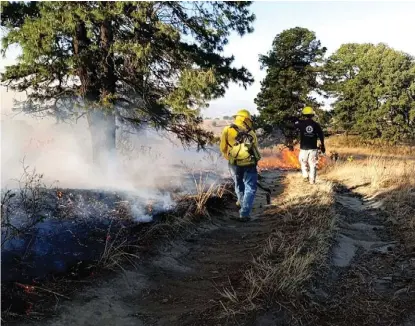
point(142, 62)
point(374, 88)
point(292, 68)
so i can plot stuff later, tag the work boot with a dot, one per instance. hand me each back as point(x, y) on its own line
point(244, 218)
point(240, 218)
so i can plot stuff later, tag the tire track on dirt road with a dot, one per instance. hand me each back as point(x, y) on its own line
point(371, 279)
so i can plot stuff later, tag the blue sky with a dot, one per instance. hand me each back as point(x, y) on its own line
point(333, 22)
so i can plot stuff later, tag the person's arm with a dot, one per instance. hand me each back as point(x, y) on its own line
point(224, 143)
point(295, 121)
point(320, 134)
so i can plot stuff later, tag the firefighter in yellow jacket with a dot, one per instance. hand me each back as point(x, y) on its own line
point(239, 145)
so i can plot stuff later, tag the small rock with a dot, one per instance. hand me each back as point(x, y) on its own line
point(165, 300)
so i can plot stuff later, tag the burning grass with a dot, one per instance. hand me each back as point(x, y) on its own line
point(279, 159)
point(284, 159)
point(297, 247)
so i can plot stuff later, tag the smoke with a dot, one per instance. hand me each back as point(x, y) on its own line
point(149, 166)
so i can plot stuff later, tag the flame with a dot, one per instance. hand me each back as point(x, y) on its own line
point(291, 158)
point(322, 161)
point(287, 160)
point(26, 288)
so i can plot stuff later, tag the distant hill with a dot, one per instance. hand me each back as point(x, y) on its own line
point(216, 126)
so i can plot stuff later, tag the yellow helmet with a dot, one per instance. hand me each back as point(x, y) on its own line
point(308, 110)
point(243, 113)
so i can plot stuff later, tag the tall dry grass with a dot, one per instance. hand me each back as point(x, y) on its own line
point(387, 180)
point(355, 145)
point(374, 174)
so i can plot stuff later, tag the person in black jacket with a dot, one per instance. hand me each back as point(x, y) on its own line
point(310, 132)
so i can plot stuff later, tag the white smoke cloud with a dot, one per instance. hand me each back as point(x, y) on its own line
point(148, 166)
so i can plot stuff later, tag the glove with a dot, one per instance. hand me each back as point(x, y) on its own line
point(323, 149)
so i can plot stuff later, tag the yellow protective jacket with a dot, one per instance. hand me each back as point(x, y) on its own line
point(229, 134)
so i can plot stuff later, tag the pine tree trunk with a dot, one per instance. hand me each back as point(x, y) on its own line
point(98, 85)
point(102, 125)
point(103, 136)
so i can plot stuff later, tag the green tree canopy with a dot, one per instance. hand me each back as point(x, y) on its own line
point(374, 91)
point(156, 62)
point(292, 71)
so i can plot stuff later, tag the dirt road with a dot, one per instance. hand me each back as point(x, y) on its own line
point(371, 279)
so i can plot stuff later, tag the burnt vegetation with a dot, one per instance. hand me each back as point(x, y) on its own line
point(63, 239)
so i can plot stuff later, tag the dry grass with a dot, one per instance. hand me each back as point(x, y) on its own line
point(117, 251)
point(298, 246)
point(25, 205)
point(204, 191)
point(207, 184)
point(389, 181)
point(376, 173)
point(354, 145)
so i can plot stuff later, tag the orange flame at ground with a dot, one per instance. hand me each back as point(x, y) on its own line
point(26, 288)
point(322, 161)
point(286, 160)
point(291, 158)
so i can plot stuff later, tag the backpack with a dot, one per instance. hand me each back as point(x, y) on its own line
point(244, 151)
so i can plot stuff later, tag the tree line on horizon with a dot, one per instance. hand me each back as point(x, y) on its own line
point(372, 87)
point(158, 63)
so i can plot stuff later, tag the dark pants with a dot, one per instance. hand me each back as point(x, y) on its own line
point(245, 179)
